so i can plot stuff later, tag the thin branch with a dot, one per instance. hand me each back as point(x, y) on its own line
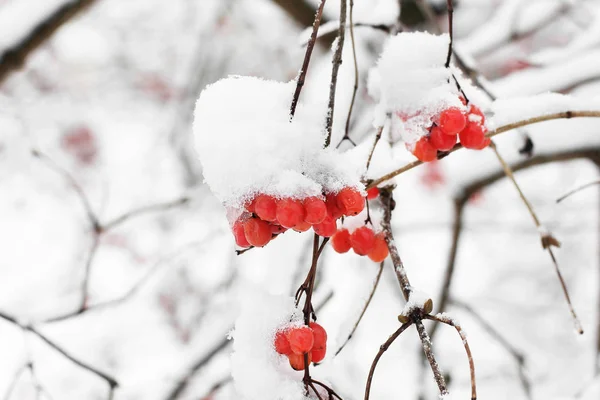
point(377, 138)
point(435, 368)
point(307, 56)
point(15, 380)
point(368, 302)
point(85, 282)
point(382, 349)
point(502, 129)
point(356, 77)
point(578, 189)
point(450, 31)
point(14, 57)
point(145, 210)
point(337, 61)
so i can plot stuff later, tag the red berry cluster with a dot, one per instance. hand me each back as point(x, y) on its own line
point(452, 124)
point(295, 342)
point(266, 216)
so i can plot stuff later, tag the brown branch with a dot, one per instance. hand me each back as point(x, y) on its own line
point(145, 210)
point(578, 189)
point(356, 77)
point(14, 57)
point(450, 31)
point(377, 138)
point(337, 61)
point(300, 10)
point(435, 368)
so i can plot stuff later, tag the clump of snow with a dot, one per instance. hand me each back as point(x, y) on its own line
point(248, 145)
point(412, 84)
point(259, 373)
point(416, 300)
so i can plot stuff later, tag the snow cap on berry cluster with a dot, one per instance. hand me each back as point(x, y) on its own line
point(259, 373)
point(412, 84)
point(248, 145)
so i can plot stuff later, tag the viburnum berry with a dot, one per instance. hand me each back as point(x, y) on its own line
point(282, 344)
point(476, 115)
point(316, 210)
point(440, 140)
point(372, 193)
point(486, 142)
point(332, 207)
point(302, 227)
point(362, 240)
point(277, 229)
point(452, 121)
point(290, 212)
point(380, 250)
point(340, 241)
point(301, 339)
point(318, 354)
point(265, 207)
point(297, 361)
point(424, 150)
point(327, 228)
point(320, 336)
point(350, 201)
point(257, 232)
point(473, 136)
point(239, 235)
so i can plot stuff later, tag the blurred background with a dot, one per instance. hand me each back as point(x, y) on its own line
point(116, 261)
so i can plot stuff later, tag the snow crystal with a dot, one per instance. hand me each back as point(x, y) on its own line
point(259, 373)
point(416, 299)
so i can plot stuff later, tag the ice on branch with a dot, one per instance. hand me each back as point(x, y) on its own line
point(416, 300)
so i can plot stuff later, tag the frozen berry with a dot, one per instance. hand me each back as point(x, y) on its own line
point(257, 231)
point(424, 150)
point(316, 210)
point(332, 207)
point(362, 240)
point(452, 121)
point(318, 354)
point(302, 227)
point(340, 241)
point(297, 361)
point(277, 229)
point(350, 201)
point(372, 193)
point(440, 140)
point(380, 250)
point(301, 339)
point(282, 344)
point(473, 136)
point(327, 228)
point(486, 142)
point(265, 207)
point(320, 336)
point(239, 235)
point(290, 212)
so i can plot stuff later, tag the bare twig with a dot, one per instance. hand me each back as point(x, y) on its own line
point(578, 189)
point(356, 78)
point(15, 380)
point(435, 368)
point(377, 138)
point(450, 31)
point(144, 210)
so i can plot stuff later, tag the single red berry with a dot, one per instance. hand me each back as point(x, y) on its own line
point(362, 240)
point(302, 227)
point(452, 121)
point(380, 250)
point(316, 210)
point(424, 150)
point(290, 212)
point(320, 336)
point(297, 361)
point(318, 354)
point(327, 228)
point(332, 207)
point(277, 229)
point(473, 136)
point(239, 235)
point(476, 115)
point(257, 231)
point(372, 193)
point(350, 201)
point(340, 241)
point(265, 207)
point(282, 344)
point(440, 140)
point(301, 339)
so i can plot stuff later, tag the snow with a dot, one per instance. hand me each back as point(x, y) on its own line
point(416, 300)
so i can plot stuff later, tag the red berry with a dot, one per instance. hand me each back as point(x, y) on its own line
point(484, 144)
point(350, 201)
point(320, 336)
point(297, 361)
point(277, 229)
point(316, 210)
point(302, 227)
point(326, 228)
point(239, 235)
point(440, 140)
point(473, 136)
point(340, 241)
point(452, 121)
point(424, 150)
point(362, 240)
point(476, 115)
point(290, 212)
point(265, 207)
point(257, 231)
point(301, 339)
point(282, 344)
point(372, 193)
point(318, 354)
point(332, 207)
point(380, 250)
